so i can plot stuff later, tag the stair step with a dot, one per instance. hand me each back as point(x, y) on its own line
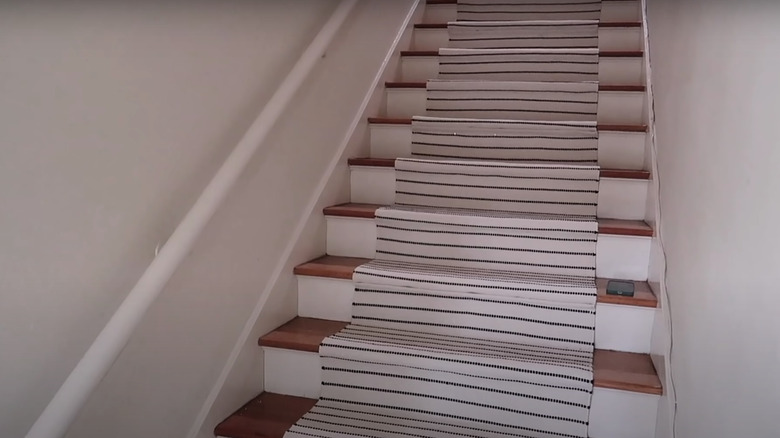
point(418, 84)
point(601, 24)
point(600, 127)
point(326, 291)
point(612, 369)
point(622, 193)
point(614, 68)
point(606, 226)
point(442, 11)
point(609, 37)
point(619, 147)
point(266, 416)
point(343, 268)
point(602, 53)
point(605, 173)
point(622, 248)
point(617, 104)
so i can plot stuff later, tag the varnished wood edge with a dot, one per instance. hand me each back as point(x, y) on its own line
point(603, 24)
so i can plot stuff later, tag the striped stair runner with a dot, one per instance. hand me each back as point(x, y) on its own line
point(530, 65)
point(505, 140)
point(501, 10)
point(551, 101)
point(477, 318)
point(490, 185)
point(523, 34)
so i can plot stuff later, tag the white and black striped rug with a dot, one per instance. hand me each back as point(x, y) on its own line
point(529, 65)
point(502, 10)
point(560, 189)
point(477, 318)
point(505, 140)
point(470, 323)
point(514, 100)
point(530, 310)
point(523, 34)
point(520, 242)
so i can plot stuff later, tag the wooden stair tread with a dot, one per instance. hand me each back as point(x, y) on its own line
point(302, 334)
point(625, 173)
point(620, 24)
point(600, 127)
point(625, 227)
point(606, 226)
point(601, 24)
point(343, 267)
point(266, 416)
point(612, 369)
point(625, 371)
point(352, 209)
point(602, 53)
point(605, 173)
point(330, 267)
point(423, 85)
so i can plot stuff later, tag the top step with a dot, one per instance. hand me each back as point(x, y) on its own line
point(439, 11)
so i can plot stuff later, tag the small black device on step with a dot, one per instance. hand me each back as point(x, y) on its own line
point(620, 287)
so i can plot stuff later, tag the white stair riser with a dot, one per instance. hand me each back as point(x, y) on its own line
point(615, 107)
point(622, 414)
point(610, 38)
point(299, 374)
point(624, 257)
point(621, 198)
point(618, 198)
point(325, 298)
point(612, 71)
point(291, 372)
point(618, 327)
point(611, 11)
point(617, 150)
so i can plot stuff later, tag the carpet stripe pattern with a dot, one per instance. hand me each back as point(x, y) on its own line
point(524, 242)
point(523, 34)
point(497, 10)
point(530, 65)
point(477, 317)
point(549, 101)
point(490, 185)
point(505, 140)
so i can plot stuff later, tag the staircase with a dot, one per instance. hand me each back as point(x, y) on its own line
point(625, 386)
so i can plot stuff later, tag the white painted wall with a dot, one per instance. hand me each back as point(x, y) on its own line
point(113, 116)
point(715, 70)
point(112, 120)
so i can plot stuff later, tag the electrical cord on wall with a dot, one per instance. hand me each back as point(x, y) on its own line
point(665, 299)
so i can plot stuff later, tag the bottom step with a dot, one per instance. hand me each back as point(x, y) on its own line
point(267, 416)
point(625, 397)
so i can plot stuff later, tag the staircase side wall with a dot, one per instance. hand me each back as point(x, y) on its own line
point(195, 358)
point(714, 74)
point(113, 117)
